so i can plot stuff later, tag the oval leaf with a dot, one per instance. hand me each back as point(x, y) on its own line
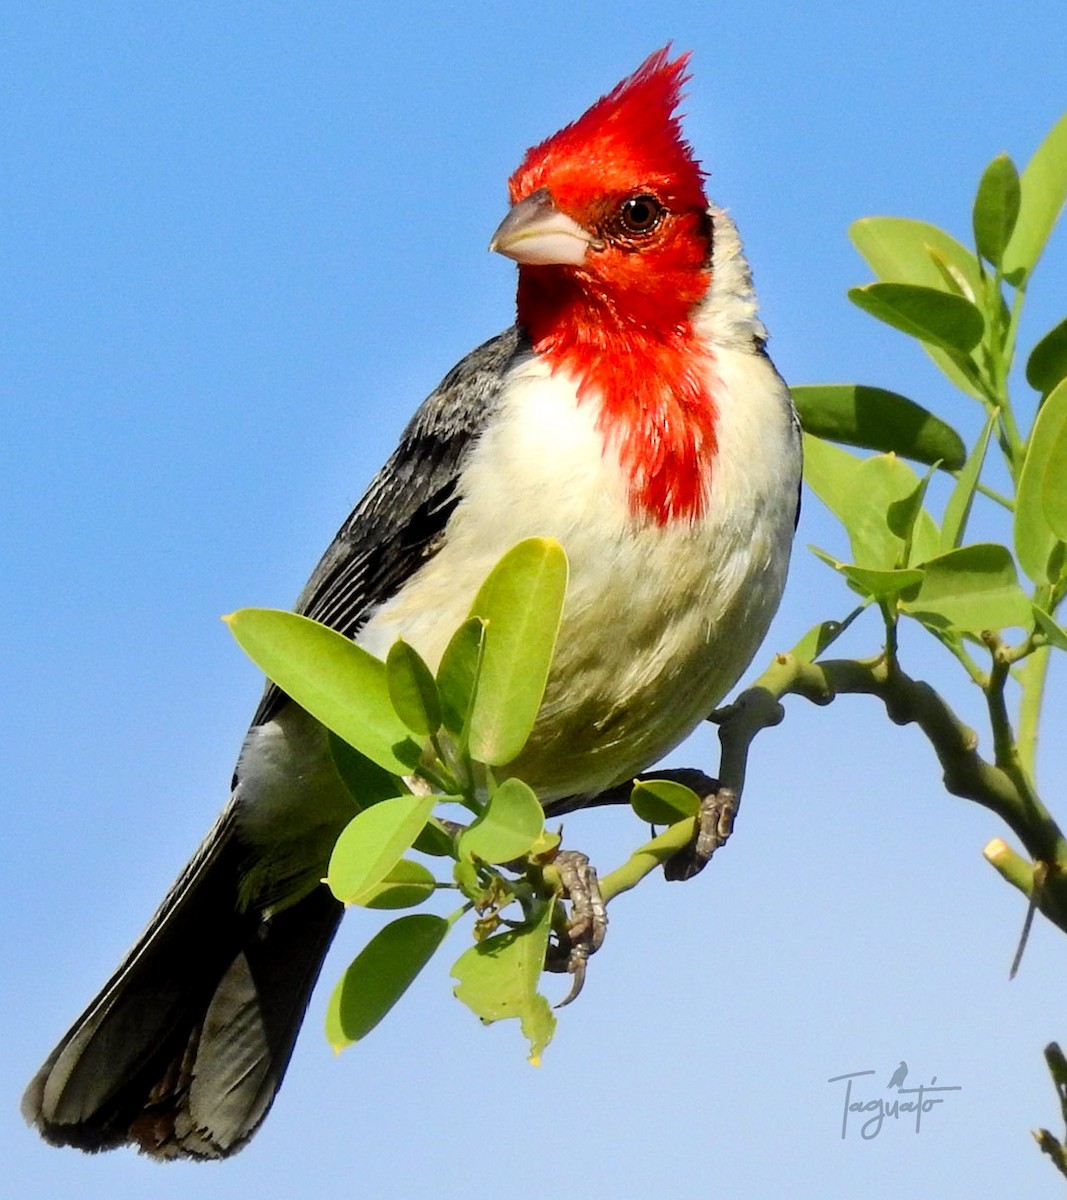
point(996, 208)
point(457, 676)
point(1047, 363)
point(407, 884)
point(1044, 189)
point(1054, 484)
point(373, 842)
point(521, 603)
point(511, 823)
point(871, 583)
point(971, 589)
point(876, 419)
point(663, 801)
point(933, 316)
point(330, 677)
point(412, 689)
point(897, 249)
point(880, 585)
point(1034, 538)
point(380, 974)
point(901, 250)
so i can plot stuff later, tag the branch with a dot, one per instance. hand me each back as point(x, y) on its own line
point(1006, 792)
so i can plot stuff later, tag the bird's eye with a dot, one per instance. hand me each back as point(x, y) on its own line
point(640, 214)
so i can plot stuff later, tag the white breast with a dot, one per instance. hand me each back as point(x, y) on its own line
point(659, 621)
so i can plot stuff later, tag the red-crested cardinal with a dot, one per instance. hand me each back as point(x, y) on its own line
point(631, 413)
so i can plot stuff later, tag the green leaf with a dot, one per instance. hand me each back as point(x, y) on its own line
point(407, 884)
point(1056, 634)
point(819, 637)
point(1044, 189)
point(1047, 363)
point(435, 840)
point(1054, 484)
point(971, 589)
point(952, 277)
point(1035, 540)
point(521, 602)
point(466, 876)
point(373, 842)
point(497, 979)
point(996, 208)
point(859, 493)
point(381, 973)
point(875, 419)
point(831, 473)
point(880, 483)
point(508, 827)
point(332, 678)
point(901, 250)
point(457, 676)
point(663, 801)
point(903, 516)
point(937, 318)
point(412, 689)
point(875, 584)
point(368, 784)
point(880, 585)
point(898, 250)
point(365, 781)
point(958, 509)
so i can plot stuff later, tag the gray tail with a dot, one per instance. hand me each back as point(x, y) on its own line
point(183, 1051)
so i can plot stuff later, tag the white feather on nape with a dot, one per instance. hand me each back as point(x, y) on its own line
point(729, 315)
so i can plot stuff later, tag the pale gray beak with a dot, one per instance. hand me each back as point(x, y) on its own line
point(536, 233)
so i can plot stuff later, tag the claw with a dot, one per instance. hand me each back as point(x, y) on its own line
point(717, 812)
point(588, 922)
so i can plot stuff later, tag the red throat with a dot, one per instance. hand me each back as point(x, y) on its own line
point(657, 411)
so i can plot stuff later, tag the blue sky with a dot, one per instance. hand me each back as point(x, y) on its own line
point(240, 243)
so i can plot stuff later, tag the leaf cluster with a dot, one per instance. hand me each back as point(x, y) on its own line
point(994, 605)
point(414, 747)
point(963, 307)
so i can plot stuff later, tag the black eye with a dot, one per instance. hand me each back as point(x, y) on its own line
point(640, 214)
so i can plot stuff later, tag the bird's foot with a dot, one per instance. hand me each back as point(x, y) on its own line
point(718, 807)
point(570, 948)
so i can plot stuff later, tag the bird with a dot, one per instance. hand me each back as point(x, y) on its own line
point(632, 413)
point(899, 1075)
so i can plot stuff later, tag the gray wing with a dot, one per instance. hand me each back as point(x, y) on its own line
point(400, 522)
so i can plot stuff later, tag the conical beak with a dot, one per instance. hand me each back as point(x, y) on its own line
point(536, 233)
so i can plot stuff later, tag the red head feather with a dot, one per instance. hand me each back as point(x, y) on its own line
point(620, 322)
point(632, 135)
